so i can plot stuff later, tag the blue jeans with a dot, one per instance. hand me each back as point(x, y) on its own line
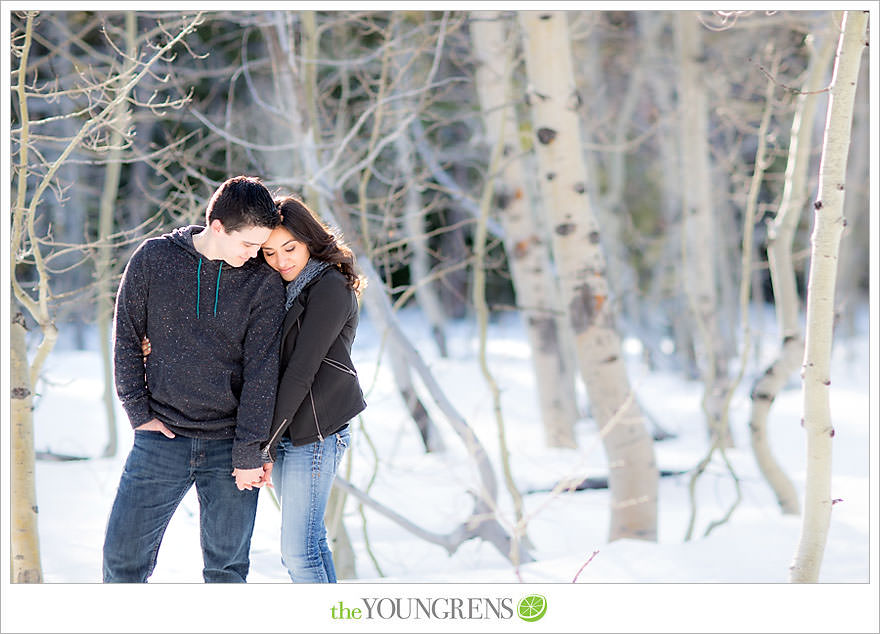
point(303, 477)
point(157, 475)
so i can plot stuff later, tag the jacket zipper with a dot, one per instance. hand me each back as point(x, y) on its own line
point(339, 366)
point(315, 413)
point(277, 433)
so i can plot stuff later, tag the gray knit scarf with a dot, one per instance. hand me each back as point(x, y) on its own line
point(310, 271)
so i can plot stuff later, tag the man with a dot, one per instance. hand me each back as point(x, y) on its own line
point(202, 401)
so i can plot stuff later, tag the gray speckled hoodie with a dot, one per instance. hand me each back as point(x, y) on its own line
point(215, 335)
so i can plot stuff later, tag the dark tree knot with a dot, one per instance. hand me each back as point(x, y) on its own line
point(566, 229)
point(20, 393)
point(546, 135)
point(580, 309)
point(502, 199)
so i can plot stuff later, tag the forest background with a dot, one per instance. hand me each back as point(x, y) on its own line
point(624, 189)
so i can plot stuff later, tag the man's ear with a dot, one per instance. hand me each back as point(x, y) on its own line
point(217, 227)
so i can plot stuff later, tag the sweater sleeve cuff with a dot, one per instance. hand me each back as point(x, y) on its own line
point(246, 456)
point(138, 412)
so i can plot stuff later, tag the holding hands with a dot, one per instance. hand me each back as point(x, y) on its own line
point(249, 478)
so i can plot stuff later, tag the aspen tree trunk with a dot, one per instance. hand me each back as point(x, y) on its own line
point(527, 251)
point(612, 211)
point(581, 267)
point(103, 265)
point(24, 543)
point(68, 216)
point(666, 276)
point(699, 262)
point(413, 214)
point(853, 273)
point(608, 207)
point(828, 225)
point(24, 537)
point(782, 274)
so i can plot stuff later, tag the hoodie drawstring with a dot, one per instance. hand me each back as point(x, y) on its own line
point(217, 290)
point(199, 289)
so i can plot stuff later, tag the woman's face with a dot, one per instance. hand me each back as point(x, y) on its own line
point(285, 254)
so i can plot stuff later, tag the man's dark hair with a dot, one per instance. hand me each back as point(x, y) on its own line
point(242, 202)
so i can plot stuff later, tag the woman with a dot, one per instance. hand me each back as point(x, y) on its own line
point(318, 391)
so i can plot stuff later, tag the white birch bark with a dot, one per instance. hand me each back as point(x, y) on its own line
point(607, 205)
point(782, 274)
point(582, 271)
point(24, 540)
point(827, 229)
point(853, 277)
point(699, 262)
point(527, 252)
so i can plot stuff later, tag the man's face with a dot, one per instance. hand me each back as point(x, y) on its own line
point(237, 247)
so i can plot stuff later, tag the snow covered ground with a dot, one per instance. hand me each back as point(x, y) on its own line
point(732, 580)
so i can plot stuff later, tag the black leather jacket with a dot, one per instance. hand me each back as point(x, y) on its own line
point(319, 391)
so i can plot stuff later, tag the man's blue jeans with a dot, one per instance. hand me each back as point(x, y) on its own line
point(158, 473)
point(303, 477)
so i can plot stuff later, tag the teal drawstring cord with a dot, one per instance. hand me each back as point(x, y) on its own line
point(198, 288)
point(217, 290)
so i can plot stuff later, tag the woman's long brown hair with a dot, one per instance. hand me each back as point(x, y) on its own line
point(323, 243)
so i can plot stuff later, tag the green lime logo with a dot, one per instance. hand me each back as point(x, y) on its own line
point(531, 608)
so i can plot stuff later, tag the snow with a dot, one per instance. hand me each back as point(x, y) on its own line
point(739, 570)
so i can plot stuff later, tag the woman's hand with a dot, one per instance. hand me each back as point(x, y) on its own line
point(266, 480)
point(146, 348)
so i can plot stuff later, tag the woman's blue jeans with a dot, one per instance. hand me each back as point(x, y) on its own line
point(303, 477)
point(158, 473)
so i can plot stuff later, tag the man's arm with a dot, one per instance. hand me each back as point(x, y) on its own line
point(129, 327)
point(260, 375)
